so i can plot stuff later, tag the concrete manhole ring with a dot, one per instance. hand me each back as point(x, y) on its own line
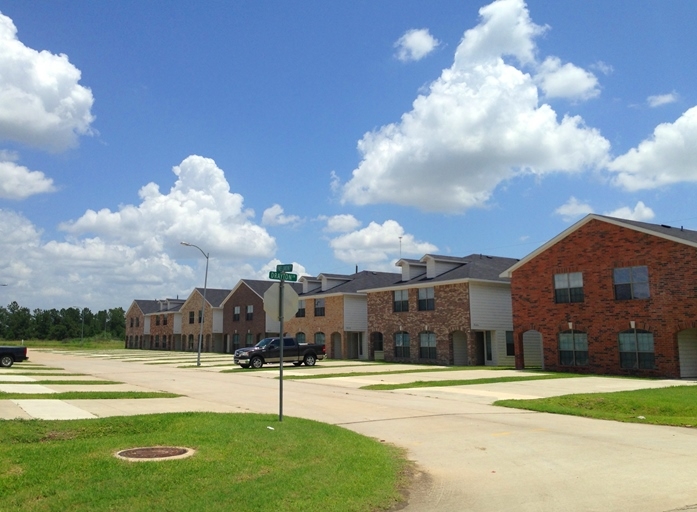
point(155, 453)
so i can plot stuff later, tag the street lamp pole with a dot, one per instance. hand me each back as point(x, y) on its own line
point(203, 305)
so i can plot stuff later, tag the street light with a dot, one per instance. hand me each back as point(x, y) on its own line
point(203, 305)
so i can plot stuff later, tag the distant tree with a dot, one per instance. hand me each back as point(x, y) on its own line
point(4, 317)
point(19, 324)
point(117, 323)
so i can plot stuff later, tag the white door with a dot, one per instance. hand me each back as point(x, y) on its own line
point(532, 349)
point(459, 348)
point(687, 353)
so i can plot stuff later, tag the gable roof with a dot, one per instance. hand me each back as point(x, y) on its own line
point(476, 267)
point(147, 306)
point(356, 283)
point(214, 296)
point(674, 234)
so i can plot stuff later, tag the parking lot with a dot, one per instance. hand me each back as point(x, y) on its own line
point(472, 455)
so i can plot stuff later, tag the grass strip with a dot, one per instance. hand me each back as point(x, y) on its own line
point(87, 395)
point(59, 382)
point(675, 405)
point(48, 374)
point(468, 382)
point(394, 372)
point(265, 466)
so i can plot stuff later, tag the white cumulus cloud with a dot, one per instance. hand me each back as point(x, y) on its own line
point(41, 102)
point(573, 209)
point(640, 212)
point(18, 182)
point(480, 123)
point(568, 81)
point(668, 157)
point(273, 216)
point(415, 44)
point(199, 208)
point(377, 246)
point(342, 223)
point(662, 99)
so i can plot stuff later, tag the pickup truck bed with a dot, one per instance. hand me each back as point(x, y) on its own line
point(11, 355)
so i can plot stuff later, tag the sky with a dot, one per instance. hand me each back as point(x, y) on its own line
point(329, 135)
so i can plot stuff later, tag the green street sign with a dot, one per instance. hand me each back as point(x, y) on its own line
point(283, 276)
point(288, 267)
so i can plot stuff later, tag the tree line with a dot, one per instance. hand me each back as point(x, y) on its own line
point(19, 323)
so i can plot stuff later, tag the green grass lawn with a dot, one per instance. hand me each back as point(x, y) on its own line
point(676, 405)
point(388, 372)
point(76, 395)
point(468, 382)
point(72, 344)
point(240, 464)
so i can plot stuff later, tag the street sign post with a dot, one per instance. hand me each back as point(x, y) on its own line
point(282, 275)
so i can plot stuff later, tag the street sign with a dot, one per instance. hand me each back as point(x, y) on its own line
point(283, 275)
point(284, 268)
point(271, 301)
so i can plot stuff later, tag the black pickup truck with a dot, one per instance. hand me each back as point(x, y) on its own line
point(268, 350)
point(11, 355)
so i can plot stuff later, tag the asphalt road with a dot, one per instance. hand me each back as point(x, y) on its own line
point(472, 456)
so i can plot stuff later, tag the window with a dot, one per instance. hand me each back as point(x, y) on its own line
point(426, 300)
point(573, 348)
point(235, 341)
point(319, 307)
point(137, 321)
point(401, 344)
point(300, 337)
point(200, 315)
point(301, 309)
point(401, 301)
point(631, 283)
point(131, 321)
point(510, 345)
point(487, 346)
point(157, 341)
point(164, 319)
point(157, 319)
point(427, 345)
point(319, 338)
point(250, 340)
point(378, 344)
point(250, 313)
point(568, 288)
point(191, 339)
point(191, 317)
point(636, 349)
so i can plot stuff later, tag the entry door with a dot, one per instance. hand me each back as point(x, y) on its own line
point(459, 349)
point(687, 352)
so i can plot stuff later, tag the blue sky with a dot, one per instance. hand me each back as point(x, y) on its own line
point(327, 135)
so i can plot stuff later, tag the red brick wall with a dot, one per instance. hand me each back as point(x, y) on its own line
point(243, 297)
point(596, 249)
point(162, 330)
point(331, 322)
point(452, 313)
point(134, 334)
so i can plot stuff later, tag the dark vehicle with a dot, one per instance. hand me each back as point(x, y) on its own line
point(10, 355)
point(268, 350)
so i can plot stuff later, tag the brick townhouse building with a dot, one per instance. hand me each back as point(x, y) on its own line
point(609, 296)
point(444, 310)
point(333, 311)
point(244, 320)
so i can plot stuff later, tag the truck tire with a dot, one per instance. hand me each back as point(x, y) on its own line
point(309, 360)
point(6, 361)
point(256, 362)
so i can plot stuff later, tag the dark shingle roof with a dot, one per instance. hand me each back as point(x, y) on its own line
point(148, 306)
point(360, 281)
point(259, 286)
point(215, 296)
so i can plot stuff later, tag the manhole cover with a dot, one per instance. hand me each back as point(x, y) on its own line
point(155, 453)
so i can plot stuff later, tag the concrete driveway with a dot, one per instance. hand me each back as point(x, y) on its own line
point(473, 456)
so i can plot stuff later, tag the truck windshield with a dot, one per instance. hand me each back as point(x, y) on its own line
point(264, 342)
